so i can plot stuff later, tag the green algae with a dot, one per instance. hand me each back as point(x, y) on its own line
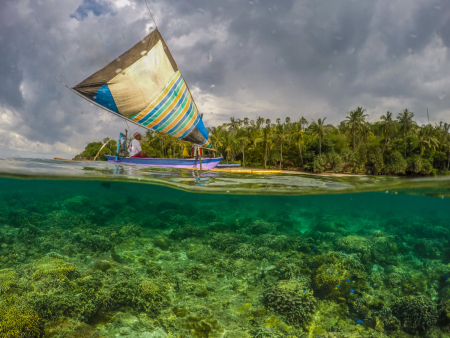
point(80, 259)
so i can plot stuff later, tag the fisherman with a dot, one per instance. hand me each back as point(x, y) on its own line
point(135, 149)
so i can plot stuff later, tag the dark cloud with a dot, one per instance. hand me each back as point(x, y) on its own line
point(240, 58)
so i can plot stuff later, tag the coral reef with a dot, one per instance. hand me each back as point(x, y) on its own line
point(417, 313)
point(84, 262)
point(17, 320)
point(291, 299)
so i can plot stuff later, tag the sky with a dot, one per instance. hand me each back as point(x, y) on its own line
point(274, 59)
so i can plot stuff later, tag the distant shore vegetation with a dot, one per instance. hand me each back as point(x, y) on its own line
point(393, 145)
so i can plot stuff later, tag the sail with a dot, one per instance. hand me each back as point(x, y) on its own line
point(145, 85)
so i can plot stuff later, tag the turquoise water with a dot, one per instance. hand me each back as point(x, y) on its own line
point(103, 251)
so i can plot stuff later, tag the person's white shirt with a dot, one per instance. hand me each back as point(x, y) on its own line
point(134, 148)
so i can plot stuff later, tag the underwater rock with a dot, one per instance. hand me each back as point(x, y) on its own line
point(291, 299)
point(417, 313)
point(162, 242)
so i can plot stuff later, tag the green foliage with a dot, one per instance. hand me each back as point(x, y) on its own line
point(395, 164)
point(334, 161)
point(92, 149)
point(362, 146)
point(319, 163)
point(371, 155)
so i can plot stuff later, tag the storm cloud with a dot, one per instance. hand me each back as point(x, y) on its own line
point(240, 58)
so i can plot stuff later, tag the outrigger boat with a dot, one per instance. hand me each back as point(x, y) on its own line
point(145, 87)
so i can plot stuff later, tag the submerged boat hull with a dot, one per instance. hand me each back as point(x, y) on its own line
point(185, 163)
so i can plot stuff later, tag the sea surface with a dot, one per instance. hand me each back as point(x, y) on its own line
point(93, 249)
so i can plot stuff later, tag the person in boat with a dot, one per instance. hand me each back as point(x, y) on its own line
point(135, 149)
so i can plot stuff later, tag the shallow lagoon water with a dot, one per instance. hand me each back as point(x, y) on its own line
point(95, 250)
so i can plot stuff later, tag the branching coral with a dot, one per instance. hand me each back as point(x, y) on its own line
point(96, 243)
point(258, 227)
point(153, 296)
point(244, 250)
point(51, 267)
point(330, 282)
point(356, 244)
point(19, 321)
point(76, 203)
point(202, 328)
point(291, 299)
point(417, 313)
point(8, 277)
point(225, 242)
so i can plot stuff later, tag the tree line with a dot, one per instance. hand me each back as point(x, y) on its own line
point(393, 145)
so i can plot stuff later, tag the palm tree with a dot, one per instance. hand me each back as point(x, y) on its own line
point(228, 151)
point(234, 125)
point(354, 122)
point(303, 122)
point(216, 136)
point(287, 128)
point(267, 136)
point(259, 122)
point(445, 127)
point(320, 130)
point(243, 140)
point(406, 124)
point(280, 135)
point(425, 139)
point(387, 125)
point(298, 133)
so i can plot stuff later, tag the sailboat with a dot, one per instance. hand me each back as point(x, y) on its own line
point(145, 87)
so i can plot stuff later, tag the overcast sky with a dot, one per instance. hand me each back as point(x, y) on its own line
point(240, 58)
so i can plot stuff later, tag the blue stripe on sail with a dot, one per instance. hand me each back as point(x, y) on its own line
point(190, 129)
point(104, 98)
point(183, 119)
point(158, 125)
point(201, 128)
point(163, 101)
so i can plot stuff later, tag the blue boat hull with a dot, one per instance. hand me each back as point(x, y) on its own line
point(185, 163)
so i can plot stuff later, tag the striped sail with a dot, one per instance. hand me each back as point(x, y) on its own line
point(145, 85)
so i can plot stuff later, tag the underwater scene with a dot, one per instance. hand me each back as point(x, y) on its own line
point(102, 257)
